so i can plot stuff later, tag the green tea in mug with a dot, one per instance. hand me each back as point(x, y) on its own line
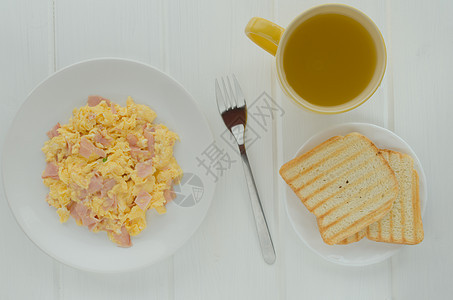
point(329, 59)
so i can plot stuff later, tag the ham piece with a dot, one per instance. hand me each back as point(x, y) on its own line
point(150, 139)
point(122, 239)
point(132, 140)
point(143, 199)
point(81, 213)
point(96, 184)
point(144, 169)
point(51, 171)
point(138, 153)
point(99, 137)
point(99, 184)
point(95, 100)
point(87, 148)
point(107, 185)
point(53, 132)
point(169, 195)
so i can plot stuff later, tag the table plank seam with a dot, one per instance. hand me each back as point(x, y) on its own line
point(389, 118)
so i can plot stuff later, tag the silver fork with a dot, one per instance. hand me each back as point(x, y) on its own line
point(233, 109)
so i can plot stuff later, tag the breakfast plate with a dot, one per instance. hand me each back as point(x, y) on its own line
point(364, 252)
point(53, 101)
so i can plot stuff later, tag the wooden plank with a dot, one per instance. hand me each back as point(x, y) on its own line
point(223, 259)
point(127, 29)
point(422, 44)
point(307, 275)
point(149, 283)
point(25, 60)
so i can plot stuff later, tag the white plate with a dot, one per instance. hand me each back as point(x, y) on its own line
point(364, 252)
point(53, 101)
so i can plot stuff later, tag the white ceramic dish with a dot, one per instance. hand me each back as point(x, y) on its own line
point(53, 101)
point(364, 252)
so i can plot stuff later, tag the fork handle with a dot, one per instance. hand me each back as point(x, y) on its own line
point(267, 247)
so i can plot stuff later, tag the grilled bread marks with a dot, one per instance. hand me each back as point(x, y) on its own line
point(328, 178)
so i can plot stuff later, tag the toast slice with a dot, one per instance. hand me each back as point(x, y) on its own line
point(345, 182)
point(403, 224)
point(354, 238)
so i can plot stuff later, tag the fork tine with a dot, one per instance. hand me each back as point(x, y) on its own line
point(228, 102)
point(233, 95)
point(240, 96)
point(219, 98)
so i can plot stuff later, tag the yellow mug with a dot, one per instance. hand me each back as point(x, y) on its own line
point(274, 38)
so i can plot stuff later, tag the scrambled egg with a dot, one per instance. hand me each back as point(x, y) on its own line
point(109, 165)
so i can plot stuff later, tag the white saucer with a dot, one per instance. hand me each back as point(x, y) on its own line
point(364, 252)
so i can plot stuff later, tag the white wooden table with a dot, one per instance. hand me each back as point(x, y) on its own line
point(195, 41)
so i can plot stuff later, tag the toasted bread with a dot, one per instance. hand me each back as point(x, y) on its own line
point(345, 182)
point(354, 238)
point(403, 224)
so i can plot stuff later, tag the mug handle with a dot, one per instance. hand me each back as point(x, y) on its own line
point(264, 33)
